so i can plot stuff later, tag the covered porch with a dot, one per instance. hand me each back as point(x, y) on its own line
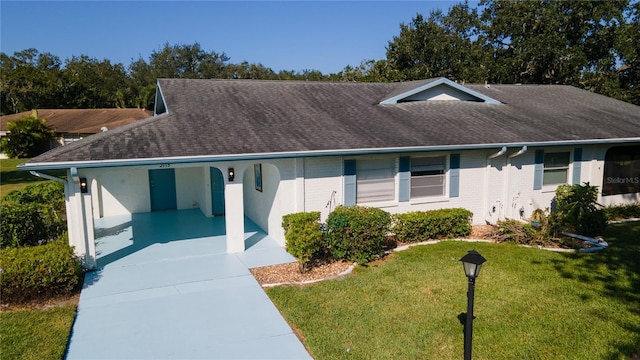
point(159, 236)
point(165, 287)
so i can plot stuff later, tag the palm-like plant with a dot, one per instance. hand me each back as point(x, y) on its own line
point(27, 137)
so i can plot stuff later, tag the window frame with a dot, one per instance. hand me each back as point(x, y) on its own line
point(550, 169)
point(444, 176)
point(392, 171)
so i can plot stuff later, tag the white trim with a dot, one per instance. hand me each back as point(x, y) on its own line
point(440, 81)
point(311, 153)
point(164, 103)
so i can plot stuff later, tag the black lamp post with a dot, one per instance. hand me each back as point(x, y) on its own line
point(472, 263)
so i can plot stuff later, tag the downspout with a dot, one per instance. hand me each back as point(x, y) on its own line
point(522, 151)
point(506, 179)
point(48, 177)
point(499, 153)
point(486, 181)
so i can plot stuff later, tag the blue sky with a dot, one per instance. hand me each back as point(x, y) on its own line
point(285, 35)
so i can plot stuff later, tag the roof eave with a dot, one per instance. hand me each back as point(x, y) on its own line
point(313, 153)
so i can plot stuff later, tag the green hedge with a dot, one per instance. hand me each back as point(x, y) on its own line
point(22, 225)
point(357, 233)
point(433, 224)
point(32, 215)
point(39, 272)
point(303, 237)
point(619, 212)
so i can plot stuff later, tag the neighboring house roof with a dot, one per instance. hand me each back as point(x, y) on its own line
point(81, 121)
point(216, 119)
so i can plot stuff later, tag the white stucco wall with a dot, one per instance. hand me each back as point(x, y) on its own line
point(190, 187)
point(317, 184)
point(323, 187)
point(119, 191)
point(506, 184)
point(277, 198)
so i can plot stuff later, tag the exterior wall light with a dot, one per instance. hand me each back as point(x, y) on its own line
point(83, 186)
point(232, 174)
point(472, 262)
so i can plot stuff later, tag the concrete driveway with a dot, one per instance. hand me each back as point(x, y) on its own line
point(180, 299)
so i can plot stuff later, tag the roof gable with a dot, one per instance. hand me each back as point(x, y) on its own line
point(439, 89)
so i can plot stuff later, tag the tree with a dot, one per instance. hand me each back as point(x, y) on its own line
point(92, 83)
point(27, 137)
point(440, 45)
point(628, 45)
point(549, 41)
point(29, 80)
point(368, 71)
point(187, 62)
point(593, 45)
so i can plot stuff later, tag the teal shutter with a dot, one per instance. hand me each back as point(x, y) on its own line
point(454, 175)
point(538, 170)
point(349, 182)
point(404, 174)
point(577, 165)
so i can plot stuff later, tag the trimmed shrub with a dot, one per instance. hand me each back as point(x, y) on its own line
point(303, 237)
point(22, 225)
point(433, 224)
point(357, 233)
point(39, 272)
point(32, 215)
point(49, 192)
point(619, 212)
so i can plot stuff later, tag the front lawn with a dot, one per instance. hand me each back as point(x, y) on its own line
point(530, 304)
point(36, 334)
point(13, 179)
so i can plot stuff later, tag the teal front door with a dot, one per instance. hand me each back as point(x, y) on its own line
point(162, 184)
point(217, 191)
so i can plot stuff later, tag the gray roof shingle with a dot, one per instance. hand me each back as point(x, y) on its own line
point(227, 117)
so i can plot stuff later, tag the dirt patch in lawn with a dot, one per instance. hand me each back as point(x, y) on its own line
point(42, 304)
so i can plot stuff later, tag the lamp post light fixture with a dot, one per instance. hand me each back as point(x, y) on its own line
point(472, 262)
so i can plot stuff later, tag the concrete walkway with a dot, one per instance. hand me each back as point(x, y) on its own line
point(161, 293)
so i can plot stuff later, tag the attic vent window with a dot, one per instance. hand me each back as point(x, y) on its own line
point(439, 90)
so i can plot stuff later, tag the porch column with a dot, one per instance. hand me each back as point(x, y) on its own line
point(300, 201)
point(80, 221)
point(234, 214)
point(90, 258)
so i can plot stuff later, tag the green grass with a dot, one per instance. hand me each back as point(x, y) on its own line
point(13, 179)
point(35, 334)
point(529, 304)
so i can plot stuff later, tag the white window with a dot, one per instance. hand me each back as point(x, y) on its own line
point(556, 168)
point(375, 180)
point(428, 176)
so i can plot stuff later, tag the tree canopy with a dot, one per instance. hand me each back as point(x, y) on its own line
point(31, 80)
point(589, 44)
point(593, 45)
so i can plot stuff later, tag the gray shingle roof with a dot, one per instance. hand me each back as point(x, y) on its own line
point(226, 117)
